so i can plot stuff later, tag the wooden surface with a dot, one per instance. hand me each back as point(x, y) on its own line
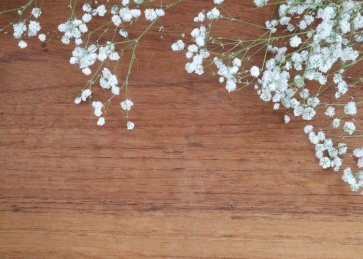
point(204, 174)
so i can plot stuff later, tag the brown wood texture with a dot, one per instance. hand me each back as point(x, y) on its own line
point(204, 174)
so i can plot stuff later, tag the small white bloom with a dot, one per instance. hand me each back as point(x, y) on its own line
point(130, 125)
point(85, 94)
point(358, 152)
point(101, 10)
point(286, 119)
point(218, 1)
point(78, 100)
point(260, 3)
point(115, 90)
point(255, 71)
point(22, 44)
point(213, 14)
point(308, 129)
point(87, 17)
point(177, 46)
point(101, 121)
point(350, 108)
point(36, 12)
point(127, 104)
point(336, 123)
point(324, 162)
point(295, 41)
point(160, 12)
point(150, 14)
point(78, 41)
point(87, 8)
point(42, 37)
point(65, 40)
point(330, 111)
point(33, 28)
point(116, 20)
point(349, 127)
point(87, 71)
point(200, 17)
point(123, 33)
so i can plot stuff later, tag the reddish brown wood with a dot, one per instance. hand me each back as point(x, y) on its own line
point(204, 174)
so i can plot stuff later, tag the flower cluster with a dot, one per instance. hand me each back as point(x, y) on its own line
point(317, 43)
point(87, 54)
point(29, 28)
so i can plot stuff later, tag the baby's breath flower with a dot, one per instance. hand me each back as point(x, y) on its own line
point(22, 44)
point(101, 121)
point(127, 104)
point(177, 46)
point(130, 125)
point(350, 108)
point(255, 71)
point(330, 111)
point(42, 37)
point(36, 12)
point(349, 127)
point(286, 119)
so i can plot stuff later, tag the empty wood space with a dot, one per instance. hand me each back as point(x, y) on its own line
point(204, 173)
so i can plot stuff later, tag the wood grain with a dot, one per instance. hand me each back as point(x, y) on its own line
point(204, 174)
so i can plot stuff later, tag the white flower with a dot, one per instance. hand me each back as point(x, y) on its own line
point(130, 125)
point(33, 28)
point(213, 14)
point(19, 28)
point(230, 86)
point(358, 152)
point(308, 113)
point(255, 71)
point(150, 14)
point(160, 12)
point(42, 37)
point(98, 108)
point(349, 127)
point(324, 162)
point(126, 105)
point(336, 123)
point(87, 71)
point(330, 111)
point(308, 129)
point(78, 100)
point(115, 90)
point(101, 121)
point(342, 148)
point(116, 20)
point(101, 10)
point(87, 17)
point(65, 40)
point(22, 44)
point(286, 119)
point(78, 41)
point(295, 41)
point(218, 1)
point(177, 46)
point(85, 94)
point(123, 33)
point(260, 3)
point(200, 17)
point(350, 108)
point(87, 8)
point(36, 12)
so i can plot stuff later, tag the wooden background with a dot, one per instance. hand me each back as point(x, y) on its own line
point(204, 174)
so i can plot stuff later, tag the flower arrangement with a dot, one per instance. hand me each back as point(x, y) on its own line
point(309, 51)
